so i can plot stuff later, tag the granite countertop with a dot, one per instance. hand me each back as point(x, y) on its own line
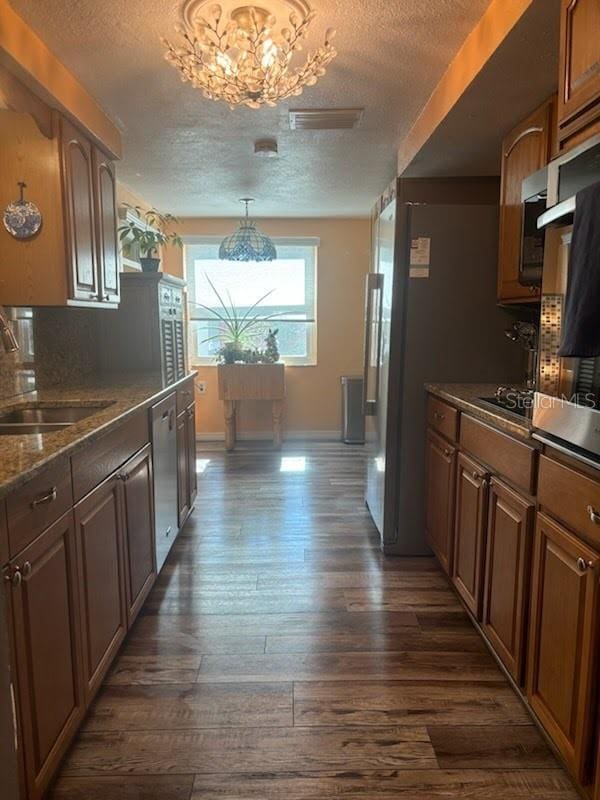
point(465, 396)
point(22, 456)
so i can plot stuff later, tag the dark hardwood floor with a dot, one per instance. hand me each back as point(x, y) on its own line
point(282, 657)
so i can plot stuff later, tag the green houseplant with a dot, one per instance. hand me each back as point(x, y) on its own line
point(148, 232)
point(239, 333)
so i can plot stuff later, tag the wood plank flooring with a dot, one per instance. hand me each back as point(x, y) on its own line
point(281, 656)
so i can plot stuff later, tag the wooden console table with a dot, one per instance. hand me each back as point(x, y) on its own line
point(239, 382)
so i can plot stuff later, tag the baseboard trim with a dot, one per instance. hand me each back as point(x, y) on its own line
point(263, 436)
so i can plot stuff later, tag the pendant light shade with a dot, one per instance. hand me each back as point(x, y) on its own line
point(247, 243)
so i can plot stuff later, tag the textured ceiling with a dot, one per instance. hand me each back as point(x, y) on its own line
point(193, 156)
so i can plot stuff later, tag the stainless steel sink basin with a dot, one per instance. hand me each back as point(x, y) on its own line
point(40, 418)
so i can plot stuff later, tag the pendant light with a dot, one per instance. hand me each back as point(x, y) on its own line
point(247, 243)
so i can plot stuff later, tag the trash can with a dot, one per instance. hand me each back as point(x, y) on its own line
point(353, 419)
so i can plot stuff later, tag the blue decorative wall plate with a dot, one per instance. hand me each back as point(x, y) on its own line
point(22, 219)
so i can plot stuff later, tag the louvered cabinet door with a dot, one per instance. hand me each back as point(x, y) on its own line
point(167, 342)
point(179, 343)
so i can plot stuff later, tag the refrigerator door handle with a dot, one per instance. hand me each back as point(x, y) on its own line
point(370, 399)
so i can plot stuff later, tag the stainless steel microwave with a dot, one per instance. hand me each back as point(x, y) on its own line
point(567, 404)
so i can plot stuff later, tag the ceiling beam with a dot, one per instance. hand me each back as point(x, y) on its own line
point(26, 56)
point(480, 45)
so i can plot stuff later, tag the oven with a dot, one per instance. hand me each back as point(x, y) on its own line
point(566, 410)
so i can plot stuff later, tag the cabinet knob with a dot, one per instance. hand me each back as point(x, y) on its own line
point(447, 452)
point(593, 515)
point(437, 415)
point(123, 476)
point(14, 577)
point(27, 569)
point(583, 565)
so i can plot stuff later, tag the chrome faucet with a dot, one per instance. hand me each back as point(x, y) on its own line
point(526, 334)
point(7, 337)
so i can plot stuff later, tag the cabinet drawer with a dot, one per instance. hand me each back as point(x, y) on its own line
point(95, 463)
point(443, 418)
point(506, 456)
point(37, 504)
point(571, 497)
point(185, 395)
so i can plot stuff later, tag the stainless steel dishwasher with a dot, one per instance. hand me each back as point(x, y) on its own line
point(164, 457)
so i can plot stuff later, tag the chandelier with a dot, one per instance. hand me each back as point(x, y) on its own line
point(242, 56)
point(247, 243)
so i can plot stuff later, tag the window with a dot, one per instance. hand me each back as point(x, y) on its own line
point(289, 281)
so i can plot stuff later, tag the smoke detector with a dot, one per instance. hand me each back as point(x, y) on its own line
point(266, 148)
point(325, 119)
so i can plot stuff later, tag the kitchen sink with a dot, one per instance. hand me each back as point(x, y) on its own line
point(513, 406)
point(40, 418)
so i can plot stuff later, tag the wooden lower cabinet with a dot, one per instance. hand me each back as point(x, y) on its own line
point(441, 470)
point(508, 565)
point(99, 531)
point(183, 478)
point(138, 511)
point(44, 598)
point(563, 642)
point(191, 454)
point(469, 532)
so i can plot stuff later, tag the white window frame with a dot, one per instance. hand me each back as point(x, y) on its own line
point(310, 359)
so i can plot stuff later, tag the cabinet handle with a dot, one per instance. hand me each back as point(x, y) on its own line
point(484, 484)
point(583, 565)
point(15, 577)
point(27, 569)
point(123, 476)
point(437, 415)
point(50, 497)
point(447, 452)
point(593, 515)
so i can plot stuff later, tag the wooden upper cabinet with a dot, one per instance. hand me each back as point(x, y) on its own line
point(563, 642)
point(525, 150)
point(73, 259)
point(469, 532)
point(106, 229)
point(506, 585)
point(441, 470)
point(44, 597)
point(80, 228)
point(579, 80)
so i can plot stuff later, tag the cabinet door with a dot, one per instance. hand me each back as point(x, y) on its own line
point(579, 81)
point(140, 562)
point(525, 150)
point(44, 597)
point(183, 479)
point(469, 532)
point(191, 454)
point(106, 227)
point(179, 339)
point(562, 658)
point(441, 461)
point(506, 593)
point(99, 530)
point(78, 192)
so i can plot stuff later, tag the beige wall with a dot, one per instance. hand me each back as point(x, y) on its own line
point(313, 393)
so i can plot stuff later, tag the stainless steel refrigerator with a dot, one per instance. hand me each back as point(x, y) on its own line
point(431, 316)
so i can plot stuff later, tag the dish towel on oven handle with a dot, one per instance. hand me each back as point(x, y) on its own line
point(581, 329)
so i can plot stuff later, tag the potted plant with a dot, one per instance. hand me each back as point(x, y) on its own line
point(148, 233)
point(239, 332)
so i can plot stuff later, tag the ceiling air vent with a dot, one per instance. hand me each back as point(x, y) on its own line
point(324, 119)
